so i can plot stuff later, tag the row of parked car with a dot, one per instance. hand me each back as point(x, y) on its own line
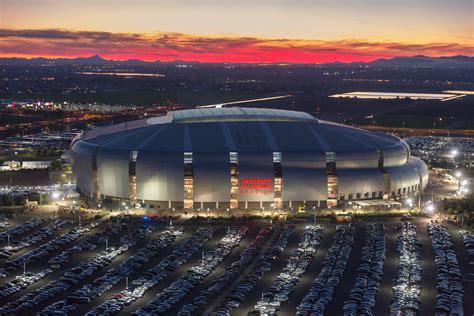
point(4, 223)
point(298, 262)
point(406, 292)
point(153, 276)
point(33, 239)
point(89, 243)
point(369, 273)
point(104, 283)
point(169, 297)
point(468, 240)
point(22, 228)
point(449, 300)
point(46, 249)
point(225, 278)
point(243, 288)
point(21, 282)
point(334, 265)
point(71, 277)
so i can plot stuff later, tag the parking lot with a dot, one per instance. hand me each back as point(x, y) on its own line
point(139, 266)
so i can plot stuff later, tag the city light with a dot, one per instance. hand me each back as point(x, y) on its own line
point(454, 152)
point(55, 195)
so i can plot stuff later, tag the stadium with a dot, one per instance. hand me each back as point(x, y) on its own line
point(242, 158)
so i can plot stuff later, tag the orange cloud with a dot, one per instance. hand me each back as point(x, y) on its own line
point(178, 46)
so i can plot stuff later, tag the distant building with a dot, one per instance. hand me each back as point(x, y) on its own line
point(243, 158)
point(29, 165)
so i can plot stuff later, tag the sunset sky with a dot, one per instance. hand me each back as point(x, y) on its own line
point(237, 31)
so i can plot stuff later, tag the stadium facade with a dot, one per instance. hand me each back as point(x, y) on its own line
point(245, 158)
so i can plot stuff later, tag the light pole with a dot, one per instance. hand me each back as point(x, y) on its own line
point(458, 175)
point(11, 190)
point(314, 214)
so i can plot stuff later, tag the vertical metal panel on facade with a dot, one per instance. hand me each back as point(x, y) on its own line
point(361, 159)
point(395, 155)
point(256, 177)
point(304, 177)
point(353, 181)
point(211, 172)
point(160, 176)
point(81, 155)
point(112, 168)
point(421, 168)
point(403, 176)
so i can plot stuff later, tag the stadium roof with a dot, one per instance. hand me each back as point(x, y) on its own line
point(234, 114)
point(238, 129)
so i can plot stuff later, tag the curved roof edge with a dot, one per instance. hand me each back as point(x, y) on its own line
point(234, 114)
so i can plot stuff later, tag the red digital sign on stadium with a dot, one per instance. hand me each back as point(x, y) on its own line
point(253, 186)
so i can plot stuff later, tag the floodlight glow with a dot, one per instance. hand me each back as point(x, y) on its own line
point(55, 195)
point(454, 152)
point(458, 174)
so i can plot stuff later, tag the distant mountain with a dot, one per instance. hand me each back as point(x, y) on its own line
point(397, 62)
point(425, 62)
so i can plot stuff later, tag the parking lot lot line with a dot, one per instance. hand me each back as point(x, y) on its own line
point(274, 234)
point(343, 289)
point(278, 265)
point(19, 222)
point(467, 269)
point(83, 308)
point(62, 295)
point(307, 280)
point(385, 293)
point(192, 278)
point(25, 250)
point(43, 264)
point(428, 270)
point(151, 294)
point(188, 298)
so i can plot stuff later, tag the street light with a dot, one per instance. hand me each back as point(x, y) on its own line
point(454, 152)
point(459, 176)
point(430, 208)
